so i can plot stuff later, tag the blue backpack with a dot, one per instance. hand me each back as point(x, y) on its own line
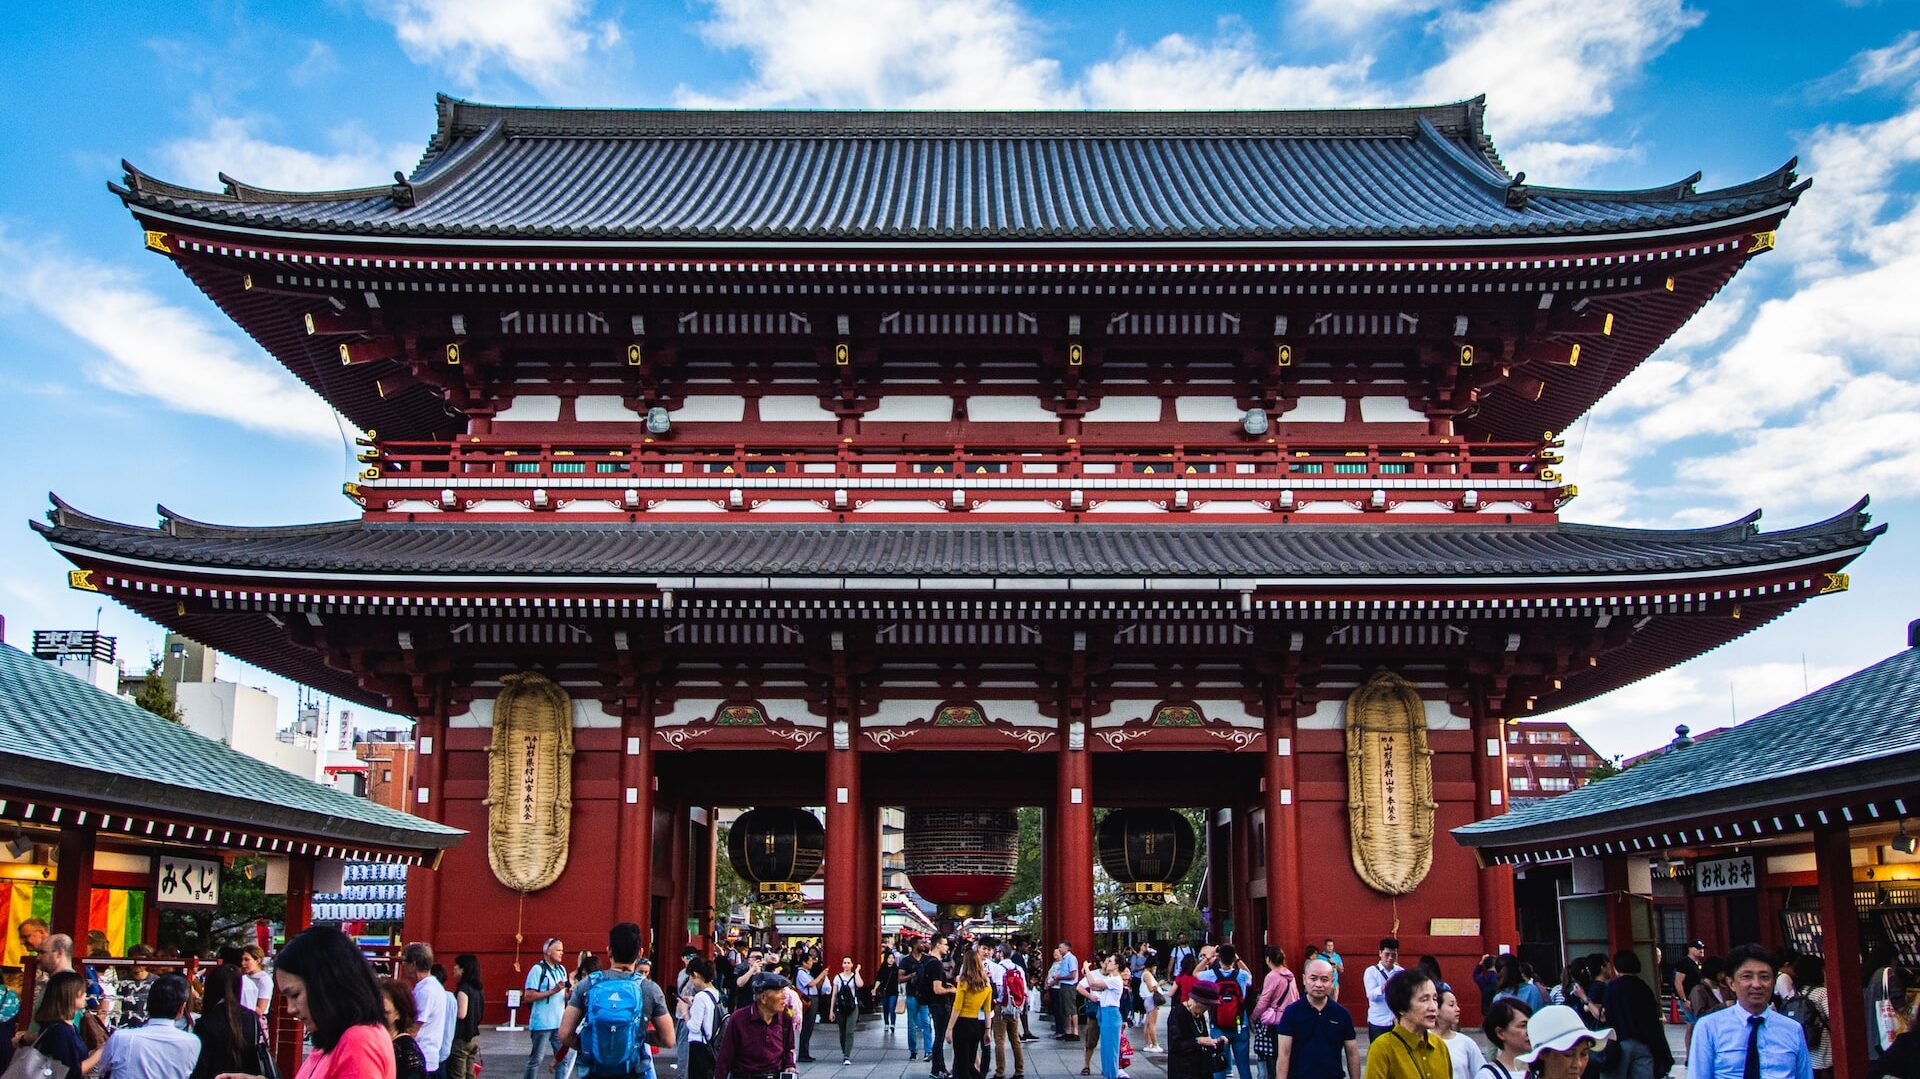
point(612, 1034)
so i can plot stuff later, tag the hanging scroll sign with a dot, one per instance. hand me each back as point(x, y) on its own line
point(1390, 806)
point(529, 782)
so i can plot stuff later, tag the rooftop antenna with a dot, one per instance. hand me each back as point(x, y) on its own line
point(1806, 684)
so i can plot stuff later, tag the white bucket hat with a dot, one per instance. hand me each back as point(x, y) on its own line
point(1559, 1028)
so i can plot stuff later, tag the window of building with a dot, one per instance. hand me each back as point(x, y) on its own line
point(386, 775)
point(1556, 784)
point(1522, 783)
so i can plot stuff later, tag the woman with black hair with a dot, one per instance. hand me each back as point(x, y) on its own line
point(1409, 1049)
point(466, 1024)
point(1505, 1026)
point(228, 1030)
point(326, 984)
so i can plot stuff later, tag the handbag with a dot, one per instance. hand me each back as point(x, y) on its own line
point(269, 1068)
point(31, 1063)
point(1265, 1044)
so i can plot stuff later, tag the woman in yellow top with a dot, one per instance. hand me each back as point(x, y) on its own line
point(972, 1006)
point(1409, 1049)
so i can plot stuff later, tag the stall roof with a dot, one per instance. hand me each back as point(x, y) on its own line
point(1845, 754)
point(65, 743)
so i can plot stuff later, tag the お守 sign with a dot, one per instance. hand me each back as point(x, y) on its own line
point(191, 883)
point(1736, 874)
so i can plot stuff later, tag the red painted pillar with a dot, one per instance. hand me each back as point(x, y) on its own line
point(841, 932)
point(1499, 925)
point(1219, 897)
point(1073, 877)
point(1049, 894)
point(1246, 935)
point(1619, 904)
point(285, 1030)
point(671, 938)
point(73, 887)
point(1286, 923)
point(430, 774)
point(705, 850)
point(633, 826)
point(1840, 940)
point(867, 954)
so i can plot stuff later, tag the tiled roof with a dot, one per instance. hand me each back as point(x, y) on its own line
point(365, 549)
point(63, 738)
point(784, 176)
point(1862, 730)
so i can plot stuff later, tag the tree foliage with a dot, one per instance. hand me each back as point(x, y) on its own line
point(731, 891)
point(243, 901)
point(1603, 770)
point(156, 695)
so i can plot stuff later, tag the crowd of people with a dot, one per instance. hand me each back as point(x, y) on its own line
point(968, 1005)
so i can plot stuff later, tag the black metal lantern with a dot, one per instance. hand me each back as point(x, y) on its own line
point(777, 850)
point(1146, 850)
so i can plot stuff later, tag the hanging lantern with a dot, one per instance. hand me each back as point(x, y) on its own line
point(776, 850)
point(1147, 850)
point(961, 859)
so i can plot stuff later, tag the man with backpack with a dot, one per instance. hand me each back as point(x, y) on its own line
point(937, 988)
point(843, 1004)
point(545, 996)
point(1230, 1015)
point(1009, 1005)
point(614, 1014)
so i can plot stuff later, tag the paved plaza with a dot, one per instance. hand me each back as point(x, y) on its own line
point(881, 1054)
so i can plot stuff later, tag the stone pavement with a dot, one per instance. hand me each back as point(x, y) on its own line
point(880, 1053)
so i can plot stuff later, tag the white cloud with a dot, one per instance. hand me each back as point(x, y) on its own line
point(143, 346)
point(228, 144)
point(1553, 161)
point(1353, 16)
point(855, 54)
point(545, 43)
point(1547, 63)
point(1896, 65)
point(1641, 716)
point(1179, 72)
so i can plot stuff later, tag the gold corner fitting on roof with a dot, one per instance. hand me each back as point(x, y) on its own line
point(1836, 582)
point(157, 241)
point(1762, 241)
point(82, 579)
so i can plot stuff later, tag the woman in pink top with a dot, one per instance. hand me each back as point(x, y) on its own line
point(1280, 989)
point(327, 985)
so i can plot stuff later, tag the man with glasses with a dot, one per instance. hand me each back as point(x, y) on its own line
point(545, 995)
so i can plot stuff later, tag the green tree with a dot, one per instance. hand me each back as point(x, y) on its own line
point(243, 901)
point(731, 892)
point(1603, 770)
point(156, 695)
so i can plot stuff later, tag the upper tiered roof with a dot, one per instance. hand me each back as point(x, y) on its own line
point(498, 174)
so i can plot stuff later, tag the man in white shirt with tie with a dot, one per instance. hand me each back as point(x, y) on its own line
point(1751, 1041)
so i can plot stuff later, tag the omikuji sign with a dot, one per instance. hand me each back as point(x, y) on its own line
point(186, 882)
point(1735, 874)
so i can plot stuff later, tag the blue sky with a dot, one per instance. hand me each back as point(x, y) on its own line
point(1796, 391)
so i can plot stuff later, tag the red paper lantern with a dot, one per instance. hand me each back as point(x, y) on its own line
point(961, 859)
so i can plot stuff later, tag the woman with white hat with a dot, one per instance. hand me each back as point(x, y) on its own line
point(1561, 1043)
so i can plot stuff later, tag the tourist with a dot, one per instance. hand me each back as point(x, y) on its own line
point(433, 1006)
point(469, 1001)
point(1513, 983)
point(256, 985)
point(325, 983)
point(158, 1048)
point(1883, 995)
point(1062, 979)
point(1430, 966)
point(1379, 1015)
point(1178, 954)
point(1634, 1014)
point(229, 1033)
point(1153, 995)
point(1190, 1040)
point(1572, 990)
point(1560, 1043)
point(939, 1001)
point(1410, 1049)
point(32, 933)
point(1750, 1040)
point(584, 965)
point(1187, 976)
point(756, 962)
point(1236, 1000)
point(1505, 1026)
point(1010, 1008)
point(1809, 1009)
point(1901, 1058)
point(1278, 990)
point(703, 1016)
point(1031, 967)
point(919, 994)
point(545, 998)
point(1687, 972)
point(682, 1001)
point(1087, 1011)
point(1487, 981)
point(1785, 984)
point(971, 1005)
point(758, 1040)
point(134, 987)
point(806, 981)
point(1108, 985)
point(54, 1036)
point(1711, 992)
point(842, 1000)
point(886, 987)
point(403, 1026)
point(1316, 1035)
point(1332, 955)
point(1462, 1051)
point(621, 987)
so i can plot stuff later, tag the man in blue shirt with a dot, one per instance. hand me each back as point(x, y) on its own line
point(1333, 959)
point(1751, 1041)
point(158, 1048)
point(1061, 978)
point(1226, 968)
point(1316, 1033)
point(545, 996)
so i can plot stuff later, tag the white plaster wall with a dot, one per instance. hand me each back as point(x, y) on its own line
point(1207, 410)
point(1317, 410)
point(719, 408)
point(531, 408)
point(1389, 410)
point(601, 408)
point(1125, 410)
point(784, 408)
point(1008, 410)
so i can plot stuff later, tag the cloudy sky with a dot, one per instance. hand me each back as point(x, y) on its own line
point(1797, 391)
